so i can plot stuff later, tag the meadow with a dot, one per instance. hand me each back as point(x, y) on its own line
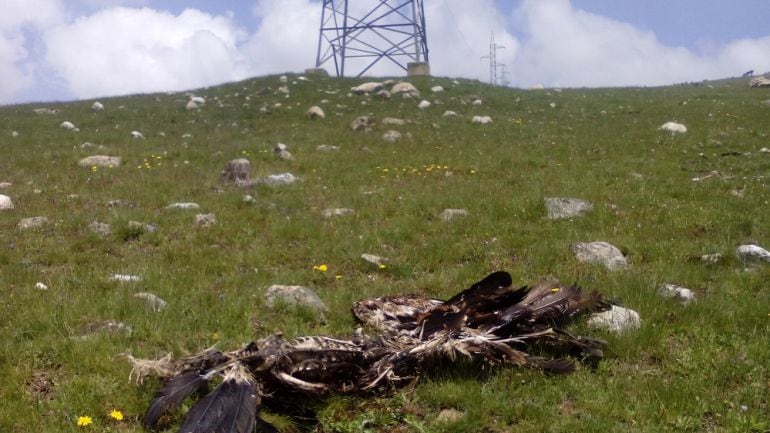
point(697, 367)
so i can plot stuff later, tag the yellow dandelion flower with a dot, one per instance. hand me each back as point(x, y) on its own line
point(321, 268)
point(382, 266)
point(116, 415)
point(339, 277)
point(84, 421)
point(555, 289)
point(473, 171)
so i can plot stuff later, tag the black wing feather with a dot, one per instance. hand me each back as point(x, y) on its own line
point(230, 408)
point(172, 395)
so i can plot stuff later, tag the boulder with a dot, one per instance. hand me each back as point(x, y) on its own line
point(68, 126)
point(293, 295)
point(383, 94)
point(561, 207)
point(5, 202)
point(317, 72)
point(326, 148)
point(599, 252)
point(616, 320)
point(100, 161)
point(404, 88)
point(32, 222)
point(373, 259)
point(436, 89)
point(365, 88)
point(449, 113)
point(393, 121)
point(315, 112)
point(752, 252)
point(424, 104)
point(97, 106)
point(191, 106)
point(673, 127)
point(237, 170)
point(361, 123)
point(759, 82)
point(101, 229)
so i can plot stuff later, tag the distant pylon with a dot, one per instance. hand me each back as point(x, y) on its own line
point(495, 77)
point(370, 31)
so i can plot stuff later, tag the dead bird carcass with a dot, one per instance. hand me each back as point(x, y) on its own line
point(489, 321)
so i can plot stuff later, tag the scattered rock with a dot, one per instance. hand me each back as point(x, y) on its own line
point(477, 102)
point(449, 113)
point(153, 301)
point(705, 176)
point(391, 136)
point(764, 150)
point(100, 161)
point(329, 213)
point(423, 104)
point(14, 134)
point(481, 120)
point(450, 214)
point(44, 111)
point(198, 100)
point(141, 227)
point(5, 202)
point(752, 252)
point(293, 295)
point(119, 203)
point(561, 207)
point(362, 123)
point(137, 135)
point(680, 293)
point(248, 198)
point(315, 112)
point(599, 252)
point(673, 127)
point(191, 106)
point(5, 185)
point(282, 152)
point(122, 278)
point(759, 82)
point(436, 89)
point(393, 121)
point(104, 326)
point(40, 286)
point(710, 258)
point(283, 79)
point(616, 320)
point(326, 148)
point(279, 179)
point(188, 205)
point(205, 219)
point(383, 94)
point(237, 170)
point(69, 126)
point(283, 90)
point(450, 416)
point(99, 228)
point(29, 223)
point(404, 88)
point(97, 106)
point(375, 260)
point(365, 88)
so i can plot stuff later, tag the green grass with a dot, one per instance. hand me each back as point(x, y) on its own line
point(696, 368)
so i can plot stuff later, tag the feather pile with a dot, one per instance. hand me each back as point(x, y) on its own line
point(490, 321)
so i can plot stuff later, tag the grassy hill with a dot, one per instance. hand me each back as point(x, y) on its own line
point(700, 367)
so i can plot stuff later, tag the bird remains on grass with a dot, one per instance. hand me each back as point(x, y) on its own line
point(490, 322)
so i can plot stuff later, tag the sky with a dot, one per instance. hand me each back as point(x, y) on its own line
point(55, 50)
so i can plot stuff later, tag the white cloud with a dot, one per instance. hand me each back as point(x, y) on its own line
point(124, 50)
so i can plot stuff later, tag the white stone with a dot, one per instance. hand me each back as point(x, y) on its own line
point(137, 135)
point(337, 212)
point(188, 205)
point(391, 136)
point(752, 252)
point(680, 293)
point(450, 214)
point(436, 89)
point(326, 148)
point(315, 112)
point(102, 229)
point(673, 127)
point(477, 102)
point(14, 134)
point(123, 278)
point(562, 207)
point(423, 104)
point(617, 320)
point(365, 88)
point(280, 179)
point(599, 252)
point(284, 90)
point(764, 150)
point(236, 170)
point(100, 161)
point(5, 185)
point(97, 106)
point(293, 295)
point(205, 219)
point(393, 121)
point(248, 198)
point(32, 222)
point(40, 286)
point(44, 111)
point(5, 202)
point(68, 126)
point(759, 82)
point(383, 94)
point(283, 79)
point(449, 113)
point(404, 88)
point(191, 106)
point(153, 301)
point(373, 259)
point(199, 100)
point(481, 120)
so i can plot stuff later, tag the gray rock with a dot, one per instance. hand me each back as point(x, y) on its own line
point(710, 258)
point(185, 206)
point(315, 112)
point(393, 121)
point(205, 219)
point(293, 295)
point(40, 286)
point(599, 252)
point(391, 136)
point(405, 89)
point(153, 301)
point(103, 327)
point(759, 82)
point(100, 161)
point(752, 253)
point(383, 94)
point(285, 155)
point(237, 170)
point(561, 208)
point(680, 293)
point(481, 120)
point(5, 185)
point(29, 223)
point(5, 202)
point(279, 179)
point(450, 416)
point(101, 229)
point(329, 213)
point(144, 228)
point(361, 123)
point(436, 89)
point(124, 278)
point(375, 260)
point(327, 148)
point(449, 113)
point(365, 88)
point(617, 320)
point(450, 214)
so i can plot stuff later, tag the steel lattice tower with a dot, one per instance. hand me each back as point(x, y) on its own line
point(391, 30)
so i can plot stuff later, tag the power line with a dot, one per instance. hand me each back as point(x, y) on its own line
point(498, 74)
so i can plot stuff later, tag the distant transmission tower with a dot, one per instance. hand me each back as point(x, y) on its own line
point(498, 74)
point(359, 34)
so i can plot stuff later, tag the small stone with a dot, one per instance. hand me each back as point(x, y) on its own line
point(104, 326)
point(97, 106)
point(100, 161)
point(450, 214)
point(450, 416)
point(327, 148)
point(365, 88)
point(477, 102)
point(32, 222)
point(14, 134)
point(616, 320)
point(375, 260)
point(5, 202)
point(710, 258)
point(436, 89)
point(764, 150)
point(599, 252)
point(329, 213)
point(5, 185)
point(562, 208)
point(141, 227)
point(393, 121)
point(123, 278)
point(191, 106)
point(404, 88)
point(449, 113)
point(383, 94)
point(153, 301)
point(283, 90)
point(481, 120)
point(40, 286)
point(248, 198)
point(137, 135)
point(119, 203)
point(280, 179)
point(102, 229)
point(673, 127)
point(293, 295)
point(205, 219)
point(285, 155)
point(680, 293)
point(391, 136)
point(187, 206)
point(68, 126)
point(752, 253)
point(361, 123)
point(283, 79)
point(423, 104)
point(315, 112)
point(45, 111)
